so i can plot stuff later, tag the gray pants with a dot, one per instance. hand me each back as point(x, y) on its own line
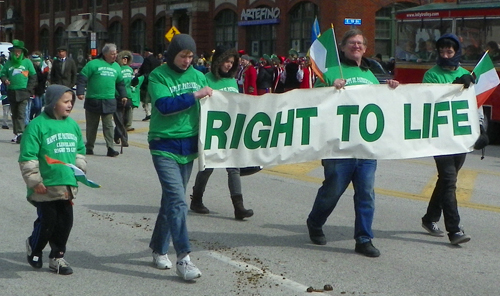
point(18, 110)
point(92, 125)
point(233, 181)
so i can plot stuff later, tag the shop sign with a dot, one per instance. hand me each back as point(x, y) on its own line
point(260, 16)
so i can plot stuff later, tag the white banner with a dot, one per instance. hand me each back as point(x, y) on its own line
point(363, 121)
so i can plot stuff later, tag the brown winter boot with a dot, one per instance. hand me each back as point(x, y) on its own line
point(197, 205)
point(239, 210)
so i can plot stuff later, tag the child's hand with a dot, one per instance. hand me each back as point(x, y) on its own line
point(40, 188)
point(206, 91)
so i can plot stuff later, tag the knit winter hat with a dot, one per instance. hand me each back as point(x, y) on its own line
point(179, 43)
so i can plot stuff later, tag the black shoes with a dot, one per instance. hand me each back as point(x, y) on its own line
point(316, 235)
point(112, 152)
point(5, 127)
point(367, 249)
point(89, 151)
point(432, 228)
point(458, 237)
point(34, 260)
point(148, 117)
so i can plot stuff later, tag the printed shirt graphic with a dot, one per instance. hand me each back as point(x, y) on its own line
point(58, 139)
point(223, 84)
point(165, 83)
point(18, 76)
point(101, 79)
point(127, 74)
point(352, 74)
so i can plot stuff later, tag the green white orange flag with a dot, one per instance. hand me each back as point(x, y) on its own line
point(324, 53)
point(486, 79)
point(79, 174)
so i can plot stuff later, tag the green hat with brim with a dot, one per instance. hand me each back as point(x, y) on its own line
point(18, 44)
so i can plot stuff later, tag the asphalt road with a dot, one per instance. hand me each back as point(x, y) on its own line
point(269, 253)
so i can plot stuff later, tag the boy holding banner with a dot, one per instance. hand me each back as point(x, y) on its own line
point(443, 197)
point(353, 69)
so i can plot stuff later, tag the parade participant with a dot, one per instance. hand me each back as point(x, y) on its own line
point(221, 77)
point(101, 78)
point(265, 75)
point(123, 105)
point(19, 76)
point(443, 199)
point(149, 64)
point(305, 75)
point(52, 187)
point(340, 172)
point(175, 88)
point(249, 76)
point(289, 77)
point(39, 91)
point(63, 70)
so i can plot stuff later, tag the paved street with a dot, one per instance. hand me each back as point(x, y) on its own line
point(269, 253)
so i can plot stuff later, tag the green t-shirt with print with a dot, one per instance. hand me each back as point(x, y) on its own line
point(127, 74)
point(18, 76)
point(101, 79)
point(167, 83)
point(222, 84)
point(437, 74)
point(353, 75)
point(57, 139)
point(136, 92)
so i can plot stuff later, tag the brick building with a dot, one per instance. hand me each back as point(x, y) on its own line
point(257, 26)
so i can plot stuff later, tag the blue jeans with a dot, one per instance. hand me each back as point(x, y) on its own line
point(171, 220)
point(338, 174)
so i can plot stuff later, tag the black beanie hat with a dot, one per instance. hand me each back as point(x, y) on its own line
point(179, 43)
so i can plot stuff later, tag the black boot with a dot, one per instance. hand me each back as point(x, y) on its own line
point(239, 210)
point(197, 205)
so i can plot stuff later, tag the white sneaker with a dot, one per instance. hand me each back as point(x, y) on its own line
point(161, 261)
point(14, 139)
point(60, 266)
point(187, 270)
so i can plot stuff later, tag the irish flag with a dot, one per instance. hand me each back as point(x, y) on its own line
point(79, 174)
point(324, 53)
point(486, 79)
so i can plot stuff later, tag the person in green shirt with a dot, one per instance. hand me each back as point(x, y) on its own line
point(175, 88)
point(52, 187)
point(123, 105)
point(225, 63)
point(102, 77)
point(339, 173)
point(443, 198)
point(19, 75)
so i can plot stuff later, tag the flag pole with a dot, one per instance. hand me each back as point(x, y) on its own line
point(482, 58)
point(337, 52)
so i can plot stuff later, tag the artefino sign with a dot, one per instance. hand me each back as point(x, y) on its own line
point(260, 16)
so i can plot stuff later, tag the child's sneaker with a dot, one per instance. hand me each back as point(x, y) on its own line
point(60, 266)
point(161, 261)
point(187, 270)
point(34, 260)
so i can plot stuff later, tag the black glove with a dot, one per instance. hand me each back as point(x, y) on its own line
point(465, 79)
point(134, 82)
point(483, 139)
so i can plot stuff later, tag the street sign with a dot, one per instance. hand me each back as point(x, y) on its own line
point(352, 22)
point(171, 33)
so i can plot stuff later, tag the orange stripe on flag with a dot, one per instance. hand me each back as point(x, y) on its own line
point(53, 161)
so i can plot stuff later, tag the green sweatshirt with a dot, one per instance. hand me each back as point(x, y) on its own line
point(18, 76)
point(101, 79)
point(57, 139)
point(352, 74)
point(165, 83)
point(127, 74)
point(136, 92)
point(223, 84)
point(437, 74)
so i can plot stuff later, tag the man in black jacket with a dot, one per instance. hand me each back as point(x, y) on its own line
point(149, 64)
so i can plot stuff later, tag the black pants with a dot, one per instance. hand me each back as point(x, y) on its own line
point(53, 226)
point(444, 195)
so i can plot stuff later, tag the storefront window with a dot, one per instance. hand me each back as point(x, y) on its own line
point(301, 20)
point(44, 41)
point(58, 37)
point(76, 4)
point(226, 28)
point(115, 34)
point(138, 36)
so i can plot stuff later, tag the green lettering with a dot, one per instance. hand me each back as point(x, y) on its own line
point(437, 120)
point(238, 130)
point(409, 133)
point(363, 129)
point(286, 128)
point(346, 112)
point(426, 121)
point(219, 132)
point(306, 114)
point(459, 117)
point(263, 134)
